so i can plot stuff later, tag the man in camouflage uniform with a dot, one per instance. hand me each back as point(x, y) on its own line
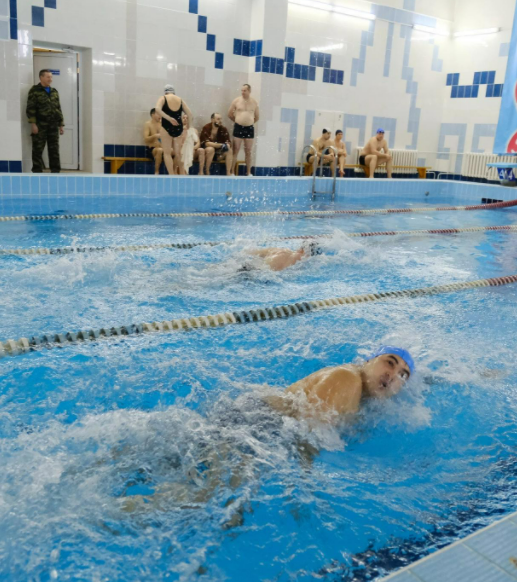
point(45, 115)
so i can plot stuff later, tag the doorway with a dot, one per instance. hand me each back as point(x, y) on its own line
point(65, 67)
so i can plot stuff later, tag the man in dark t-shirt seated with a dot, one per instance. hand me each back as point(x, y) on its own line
point(216, 141)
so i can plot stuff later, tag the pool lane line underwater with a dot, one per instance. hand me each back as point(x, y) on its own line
point(491, 206)
point(24, 345)
point(126, 248)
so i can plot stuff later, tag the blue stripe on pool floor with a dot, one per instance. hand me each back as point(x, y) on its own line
point(490, 555)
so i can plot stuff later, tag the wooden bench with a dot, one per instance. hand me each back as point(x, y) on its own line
point(117, 163)
point(422, 170)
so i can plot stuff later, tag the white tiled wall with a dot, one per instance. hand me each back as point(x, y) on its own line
point(393, 75)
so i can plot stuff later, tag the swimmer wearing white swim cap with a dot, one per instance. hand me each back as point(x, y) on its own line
point(339, 390)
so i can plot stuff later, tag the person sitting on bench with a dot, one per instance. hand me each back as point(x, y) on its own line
point(216, 141)
point(321, 146)
point(372, 156)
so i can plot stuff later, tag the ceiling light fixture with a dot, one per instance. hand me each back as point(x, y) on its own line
point(460, 33)
point(334, 8)
point(330, 47)
point(430, 30)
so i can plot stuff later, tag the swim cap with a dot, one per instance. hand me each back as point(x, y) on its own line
point(312, 248)
point(380, 130)
point(402, 353)
point(169, 89)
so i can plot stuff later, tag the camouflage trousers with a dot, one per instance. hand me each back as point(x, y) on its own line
point(46, 136)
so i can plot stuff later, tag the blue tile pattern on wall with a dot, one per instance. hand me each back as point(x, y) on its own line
point(354, 122)
point(38, 16)
point(409, 5)
point(247, 48)
point(358, 65)
point(482, 130)
point(291, 116)
point(202, 22)
point(458, 130)
point(389, 45)
point(10, 166)
point(411, 88)
point(193, 6)
point(219, 60)
point(437, 64)
point(487, 78)
point(51, 4)
point(210, 42)
point(13, 19)
point(504, 49)
point(310, 118)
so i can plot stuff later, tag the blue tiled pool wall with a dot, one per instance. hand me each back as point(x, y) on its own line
point(26, 193)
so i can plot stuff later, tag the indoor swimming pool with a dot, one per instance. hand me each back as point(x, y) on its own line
point(153, 456)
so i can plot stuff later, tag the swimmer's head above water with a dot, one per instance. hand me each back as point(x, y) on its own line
point(386, 371)
point(311, 249)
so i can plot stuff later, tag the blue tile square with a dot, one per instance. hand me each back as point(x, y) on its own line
point(5, 184)
point(289, 54)
point(340, 77)
point(70, 185)
point(128, 168)
point(4, 166)
point(477, 78)
point(326, 75)
point(109, 150)
point(253, 48)
point(484, 78)
point(333, 76)
point(259, 48)
point(13, 8)
point(79, 185)
point(26, 185)
point(475, 91)
point(140, 167)
point(449, 79)
point(120, 151)
point(52, 185)
point(43, 185)
point(461, 91)
point(258, 64)
point(456, 79)
point(13, 25)
point(202, 23)
point(320, 59)
point(140, 151)
point(245, 48)
point(130, 151)
point(289, 70)
point(491, 77)
point(38, 16)
point(468, 91)
point(297, 71)
point(237, 46)
point(313, 61)
point(454, 91)
point(312, 73)
point(219, 60)
point(96, 186)
point(499, 93)
point(280, 66)
point(327, 60)
point(305, 72)
point(50, 3)
point(272, 65)
point(16, 185)
point(210, 42)
point(107, 167)
point(193, 7)
point(490, 90)
point(265, 64)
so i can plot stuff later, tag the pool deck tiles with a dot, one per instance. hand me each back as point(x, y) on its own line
point(489, 555)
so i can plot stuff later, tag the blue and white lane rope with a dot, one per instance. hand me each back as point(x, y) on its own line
point(24, 345)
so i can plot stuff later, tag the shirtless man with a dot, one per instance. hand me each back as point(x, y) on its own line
point(216, 141)
point(278, 259)
point(199, 152)
point(152, 139)
point(244, 112)
point(340, 145)
point(371, 155)
point(331, 393)
point(321, 146)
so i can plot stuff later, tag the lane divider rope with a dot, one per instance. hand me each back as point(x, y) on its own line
point(70, 250)
point(23, 345)
point(492, 206)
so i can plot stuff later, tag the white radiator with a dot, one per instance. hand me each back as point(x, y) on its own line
point(474, 165)
point(400, 158)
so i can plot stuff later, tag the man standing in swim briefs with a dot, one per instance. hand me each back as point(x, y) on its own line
point(339, 390)
point(152, 139)
point(244, 112)
point(340, 145)
point(372, 156)
point(321, 146)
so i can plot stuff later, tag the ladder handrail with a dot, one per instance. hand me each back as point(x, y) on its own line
point(321, 172)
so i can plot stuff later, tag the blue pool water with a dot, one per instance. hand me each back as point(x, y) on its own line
point(88, 428)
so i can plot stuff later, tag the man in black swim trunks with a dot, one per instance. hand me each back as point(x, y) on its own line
point(244, 112)
point(321, 148)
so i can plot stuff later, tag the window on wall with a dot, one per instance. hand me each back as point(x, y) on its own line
point(4, 20)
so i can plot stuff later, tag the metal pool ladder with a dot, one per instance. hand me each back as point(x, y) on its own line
point(313, 150)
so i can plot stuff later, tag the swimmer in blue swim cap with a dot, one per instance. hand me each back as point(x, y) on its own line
point(339, 390)
point(278, 259)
